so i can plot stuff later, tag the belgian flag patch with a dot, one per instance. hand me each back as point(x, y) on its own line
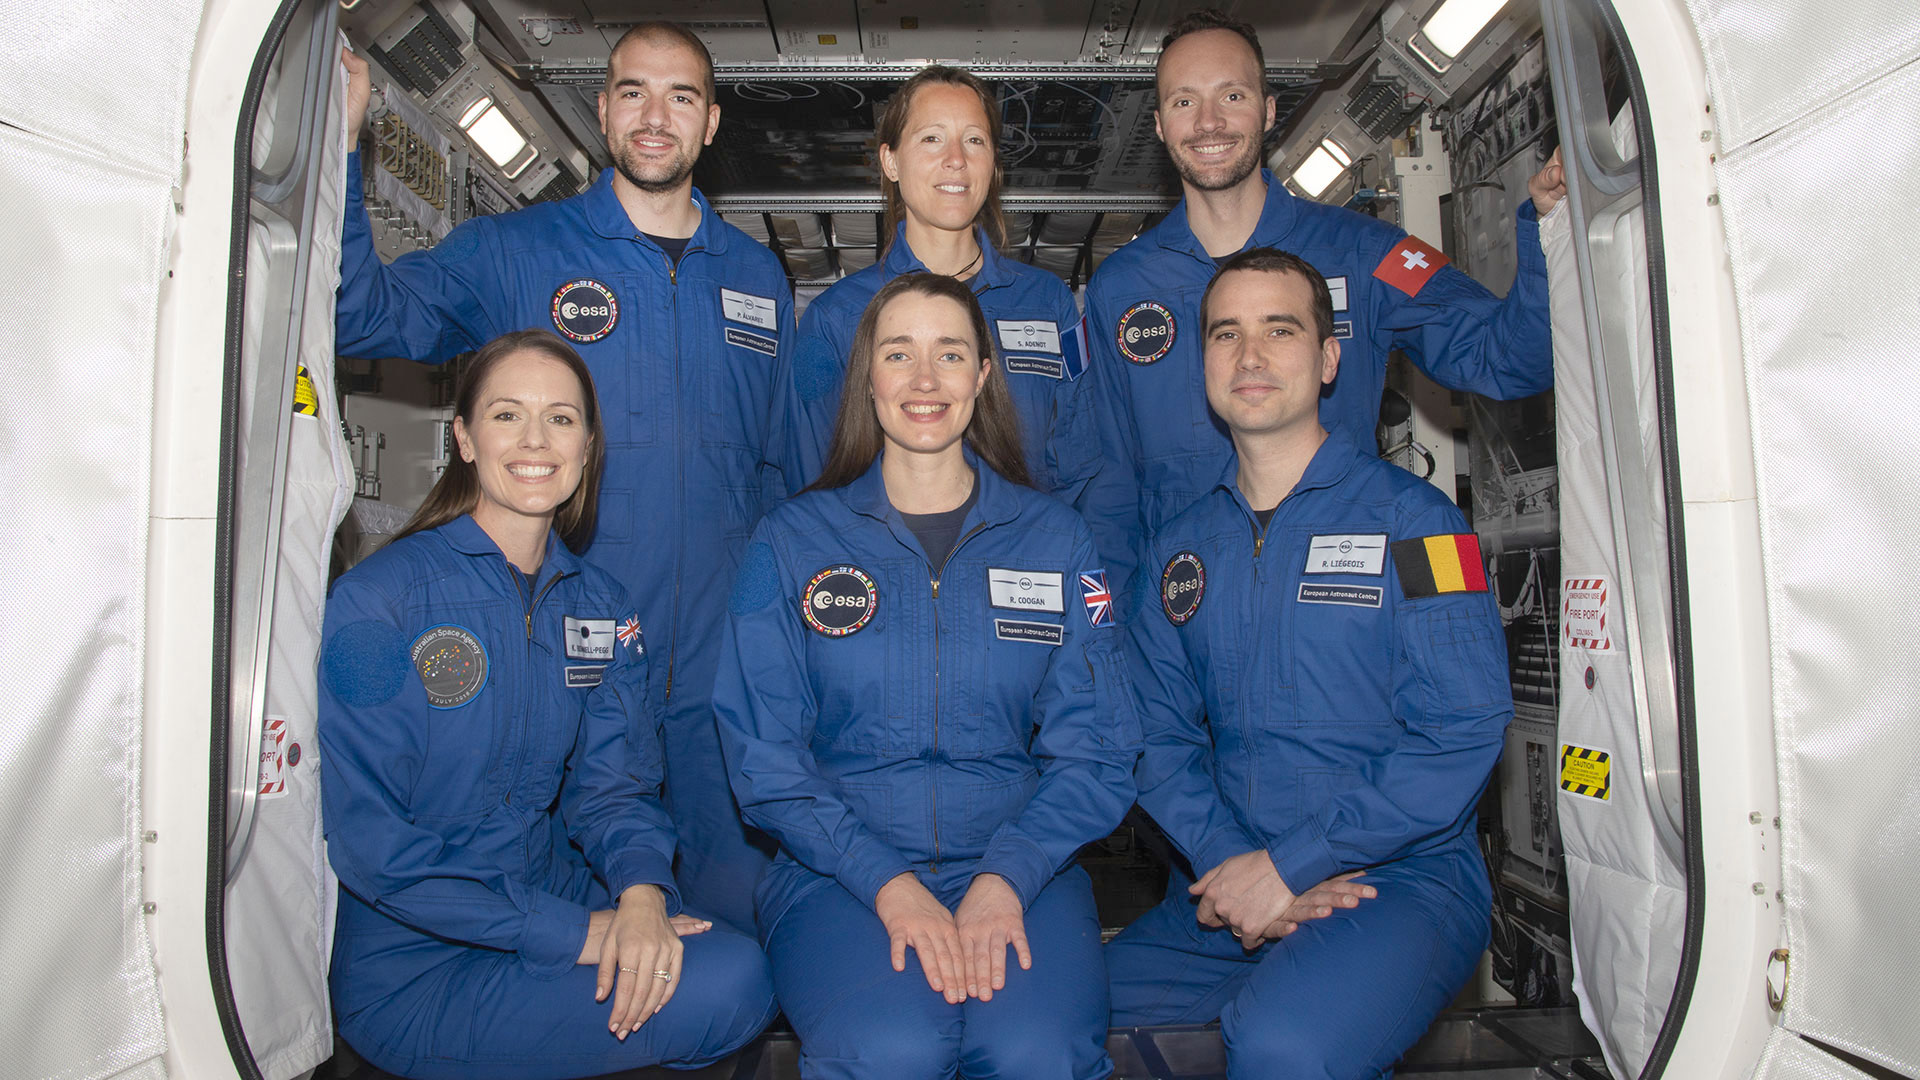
point(1432, 565)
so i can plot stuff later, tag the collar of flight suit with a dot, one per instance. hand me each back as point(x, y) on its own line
point(998, 503)
point(1330, 465)
point(608, 218)
point(464, 535)
point(994, 268)
point(1276, 221)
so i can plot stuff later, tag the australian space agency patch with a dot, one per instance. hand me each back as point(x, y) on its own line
point(452, 665)
point(840, 600)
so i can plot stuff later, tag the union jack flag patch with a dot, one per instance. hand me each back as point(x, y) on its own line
point(629, 634)
point(1093, 586)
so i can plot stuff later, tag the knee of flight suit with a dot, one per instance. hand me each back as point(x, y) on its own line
point(861, 1050)
point(1041, 1044)
point(1269, 1045)
point(727, 987)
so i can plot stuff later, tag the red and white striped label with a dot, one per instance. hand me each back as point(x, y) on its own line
point(1583, 614)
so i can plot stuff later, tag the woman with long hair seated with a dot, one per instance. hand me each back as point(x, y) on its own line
point(920, 698)
point(493, 772)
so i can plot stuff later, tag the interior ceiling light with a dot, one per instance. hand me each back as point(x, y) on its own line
point(1454, 26)
point(473, 112)
point(1321, 168)
point(496, 136)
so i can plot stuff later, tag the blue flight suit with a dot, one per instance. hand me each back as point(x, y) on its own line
point(453, 712)
point(884, 715)
point(1304, 692)
point(1041, 341)
point(691, 364)
point(1143, 313)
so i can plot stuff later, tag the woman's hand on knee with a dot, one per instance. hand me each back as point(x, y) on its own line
point(989, 919)
point(913, 916)
point(639, 959)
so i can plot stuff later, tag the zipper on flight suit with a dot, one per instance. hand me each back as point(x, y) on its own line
point(673, 319)
point(933, 800)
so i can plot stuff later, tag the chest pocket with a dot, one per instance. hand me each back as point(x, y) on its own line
point(471, 757)
point(1168, 396)
point(1341, 630)
point(735, 363)
point(872, 687)
point(627, 354)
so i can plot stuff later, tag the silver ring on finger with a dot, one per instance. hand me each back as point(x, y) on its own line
point(635, 971)
point(666, 976)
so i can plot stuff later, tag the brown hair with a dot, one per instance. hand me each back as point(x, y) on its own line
point(662, 32)
point(1268, 260)
point(892, 125)
point(994, 431)
point(457, 491)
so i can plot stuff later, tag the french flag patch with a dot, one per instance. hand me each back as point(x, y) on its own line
point(1093, 588)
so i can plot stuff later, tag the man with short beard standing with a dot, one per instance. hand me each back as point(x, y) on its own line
point(1389, 290)
point(685, 323)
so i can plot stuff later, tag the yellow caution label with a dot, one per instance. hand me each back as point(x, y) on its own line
point(829, 39)
point(305, 401)
point(1584, 771)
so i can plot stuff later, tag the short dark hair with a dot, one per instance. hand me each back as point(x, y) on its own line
point(994, 431)
point(893, 124)
point(1268, 260)
point(457, 491)
point(1214, 19)
point(662, 32)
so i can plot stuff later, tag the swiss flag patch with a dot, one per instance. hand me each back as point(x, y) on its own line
point(1409, 265)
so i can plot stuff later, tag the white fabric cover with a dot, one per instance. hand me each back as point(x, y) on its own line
point(280, 903)
point(1627, 897)
point(1789, 1057)
point(88, 165)
point(1823, 289)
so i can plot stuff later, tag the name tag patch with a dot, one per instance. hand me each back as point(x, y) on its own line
point(1039, 633)
point(1033, 334)
point(1343, 330)
point(580, 678)
point(757, 342)
point(1025, 590)
point(589, 639)
point(1338, 287)
point(1349, 595)
point(1347, 553)
point(750, 309)
point(1051, 366)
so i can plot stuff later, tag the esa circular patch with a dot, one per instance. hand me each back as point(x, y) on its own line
point(839, 600)
point(1182, 584)
point(585, 310)
point(1146, 332)
point(452, 665)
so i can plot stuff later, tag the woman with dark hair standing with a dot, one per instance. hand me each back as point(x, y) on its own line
point(483, 714)
point(940, 170)
point(920, 698)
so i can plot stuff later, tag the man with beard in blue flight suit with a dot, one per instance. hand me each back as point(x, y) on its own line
point(1323, 690)
point(1390, 290)
point(685, 323)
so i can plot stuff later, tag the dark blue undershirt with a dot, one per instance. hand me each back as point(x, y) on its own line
point(674, 246)
point(940, 532)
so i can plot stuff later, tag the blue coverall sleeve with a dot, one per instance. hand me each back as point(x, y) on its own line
point(1108, 495)
point(374, 727)
point(1468, 339)
point(1112, 507)
point(819, 372)
point(1086, 741)
point(1175, 773)
point(427, 305)
point(784, 452)
point(610, 798)
point(764, 705)
point(1452, 699)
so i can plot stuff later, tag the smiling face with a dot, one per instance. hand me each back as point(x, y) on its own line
point(1214, 109)
point(527, 441)
point(945, 157)
point(927, 371)
point(655, 113)
point(1265, 364)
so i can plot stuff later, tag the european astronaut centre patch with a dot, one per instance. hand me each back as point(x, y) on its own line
point(1182, 584)
point(1146, 332)
point(584, 310)
point(452, 665)
point(840, 600)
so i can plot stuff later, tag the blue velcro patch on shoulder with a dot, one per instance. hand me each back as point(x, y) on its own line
point(365, 663)
point(758, 582)
point(816, 371)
